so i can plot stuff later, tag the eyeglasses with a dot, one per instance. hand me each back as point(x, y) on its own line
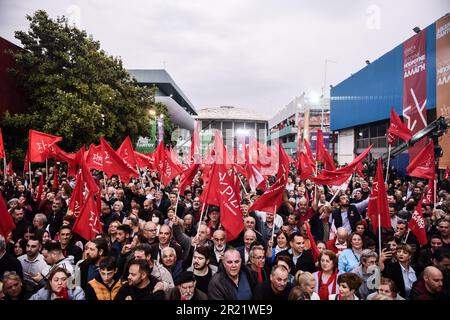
point(151, 230)
point(259, 258)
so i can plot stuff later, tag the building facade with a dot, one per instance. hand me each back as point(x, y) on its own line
point(361, 104)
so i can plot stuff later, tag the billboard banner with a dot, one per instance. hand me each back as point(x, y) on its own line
point(443, 82)
point(415, 87)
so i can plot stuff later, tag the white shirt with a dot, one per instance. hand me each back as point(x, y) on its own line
point(409, 277)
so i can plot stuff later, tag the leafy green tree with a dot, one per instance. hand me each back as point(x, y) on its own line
point(75, 90)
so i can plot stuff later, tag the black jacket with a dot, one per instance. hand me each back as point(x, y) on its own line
point(305, 262)
point(221, 287)
point(352, 214)
point(140, 294)
point(393, 271)
point(263, 291)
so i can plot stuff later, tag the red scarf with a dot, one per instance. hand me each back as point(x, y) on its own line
point(63, 294)
point(323, 287)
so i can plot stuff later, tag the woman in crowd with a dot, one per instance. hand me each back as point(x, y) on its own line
point(326, 277)
point(349, 258)
point(307, 283)
point(348, 285)
point(281, 243)
point(56, 288)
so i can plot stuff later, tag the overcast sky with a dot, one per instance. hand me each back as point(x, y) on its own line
point(254, 54)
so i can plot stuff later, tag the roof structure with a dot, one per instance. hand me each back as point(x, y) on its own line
point(229, 113)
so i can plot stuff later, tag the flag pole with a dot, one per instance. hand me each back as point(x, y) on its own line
point(335, 195)
point(388, 160)
point(29, 171)
point(4, 168)
point(407, 235)
point(379, 233)
point(242, 184)
point(274, 216)
point(435, 194)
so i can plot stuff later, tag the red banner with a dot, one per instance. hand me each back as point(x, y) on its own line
point(415, 87)
point(443, 82)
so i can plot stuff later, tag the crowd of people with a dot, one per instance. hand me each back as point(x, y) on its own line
point(158, 245)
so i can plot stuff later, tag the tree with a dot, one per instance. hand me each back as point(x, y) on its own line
point(74, 89)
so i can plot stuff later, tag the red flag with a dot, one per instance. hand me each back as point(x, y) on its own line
point(304, 166)
point(40, 189)
point(98, 202)
point(422, 166)
point(94, 158)
point(209, 193)
point(417, 225)
point(429, 198)
point(314, 249)
point(26, 167)
point(55, 183)
point(273, 196)
point(322, 153)
point(397, 129)
point(38, 145)
point(145, 160)
point(2, 147)
point(170, 169)
point(126, 151)
point(230, 202)
point(187, 177)
point(59, 154)
point(113, 163)
point(341, 175)
point(87, 176)
point(359, 168)
point(160, 155)
point(6, 221)
point(378, 203)
point(88, 224)
point(309, 153)
point(220, 151)
point(253, 176)
point(76, 198)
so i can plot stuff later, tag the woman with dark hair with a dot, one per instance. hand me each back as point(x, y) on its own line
point(20, 247)
point(401, 271)
point(56, 288)
point(326, 277)
point(349, 258)
point(281, 243)
point(348, 284)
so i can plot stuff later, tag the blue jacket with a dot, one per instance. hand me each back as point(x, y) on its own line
point(44, 294)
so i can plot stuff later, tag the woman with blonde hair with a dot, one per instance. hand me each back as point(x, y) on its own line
point(306, 282)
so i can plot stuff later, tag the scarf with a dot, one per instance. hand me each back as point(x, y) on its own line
point(323, 287)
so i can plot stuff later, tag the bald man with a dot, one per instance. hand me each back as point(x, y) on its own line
point(340, 243)
point(429, 287)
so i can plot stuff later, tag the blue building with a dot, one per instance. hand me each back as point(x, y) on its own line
point(361, 104)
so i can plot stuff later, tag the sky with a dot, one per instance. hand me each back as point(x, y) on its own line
point(253, 54)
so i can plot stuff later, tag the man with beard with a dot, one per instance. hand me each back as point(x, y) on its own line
point(202, 269)
point(141, 284)
point(195, 210)
point(94, 250)
point(146, 214)
point(219, 247)
point(33, 263)
point(176, 203)
point(69, 249)
point(347, 215)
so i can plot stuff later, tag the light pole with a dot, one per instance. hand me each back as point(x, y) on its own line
point(323, 89)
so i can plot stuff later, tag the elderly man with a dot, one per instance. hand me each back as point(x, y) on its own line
point(340, 243)
point(276, 288)
point(232, 281)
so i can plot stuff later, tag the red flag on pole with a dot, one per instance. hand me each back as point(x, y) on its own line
point(114, 164)
point(314, 249)
point(322, 153)
point(6, 221)
point(378, 203)
point(9, 169)
point(397, 129)
point(195, 144)
point(429, 198)
point(76, 198)
point(209, 194)
point(187, 177)
point(26, 163)
point(87, 177)
point(2, 147)
point(38, 145)
point(170, 169)
point(309, 153)
point(417, 225)
point(422, 166)
point(126, 151)
point(160, 155)
point(230, 203)
point(304, 166)
point(273, 196)
point(40, 189)
point(88, 224)
point(94, 158)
